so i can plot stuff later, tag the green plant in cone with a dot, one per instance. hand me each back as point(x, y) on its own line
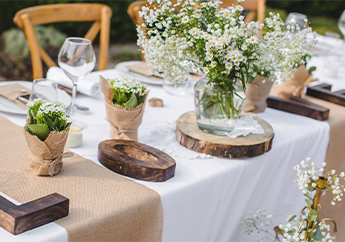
point(45, 117)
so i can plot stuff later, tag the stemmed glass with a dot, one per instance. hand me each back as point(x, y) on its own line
point(44, 89)
point(296, 19)
point(341, 23)
point(76, 59)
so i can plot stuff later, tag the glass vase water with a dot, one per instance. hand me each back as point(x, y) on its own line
point(216, 109)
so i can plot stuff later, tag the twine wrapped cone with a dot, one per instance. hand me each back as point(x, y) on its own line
point(257, 93)
point(124, 122)
point(45, 157)
point(296, 85)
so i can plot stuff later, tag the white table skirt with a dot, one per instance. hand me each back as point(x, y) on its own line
point(208, 198)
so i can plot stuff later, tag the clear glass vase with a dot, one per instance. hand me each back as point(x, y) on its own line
point(216, 109)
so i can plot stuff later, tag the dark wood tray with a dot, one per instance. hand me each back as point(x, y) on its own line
point(18, 219)
point(296, 105)
point(136, 160)
point(323, 91)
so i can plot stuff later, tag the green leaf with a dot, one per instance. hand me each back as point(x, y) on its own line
point(142, 98)
point(308, 202)
point(292, 218)
point(56, 125)
point(311, 69)
point(40, 130)
point(48, 121)
point(67, 127)
point(308, 196)
point(132, 102)
point(313, 215)
point(310, 188)
point(318, 235)
point(31, 118)
point(302, 212)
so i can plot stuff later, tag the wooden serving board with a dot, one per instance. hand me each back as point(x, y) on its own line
point(18, 219)
point(136, 160)
point(190, 136)
point(297, 105)
point(323, 91)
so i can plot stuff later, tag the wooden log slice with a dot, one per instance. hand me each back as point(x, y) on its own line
point(190, 136)
point(136, 160)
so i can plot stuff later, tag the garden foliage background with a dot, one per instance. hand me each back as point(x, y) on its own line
point(123, 29)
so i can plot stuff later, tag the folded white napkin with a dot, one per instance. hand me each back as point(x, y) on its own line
point(329, 41)
point(89, 85)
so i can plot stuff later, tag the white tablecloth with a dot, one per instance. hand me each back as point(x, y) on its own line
point(208, 198)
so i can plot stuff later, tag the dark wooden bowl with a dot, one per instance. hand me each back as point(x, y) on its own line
point(136, 160)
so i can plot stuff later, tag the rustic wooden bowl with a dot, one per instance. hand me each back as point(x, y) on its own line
point(136, 160)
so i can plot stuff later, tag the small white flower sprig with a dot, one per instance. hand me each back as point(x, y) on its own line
point(310, 178)
point(46, 116)
point(313, 182)
point(260, 223)
point(128, 92)
point(218, 42)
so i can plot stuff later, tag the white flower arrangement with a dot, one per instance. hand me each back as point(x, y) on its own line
point(312, 181)
point(218, 42)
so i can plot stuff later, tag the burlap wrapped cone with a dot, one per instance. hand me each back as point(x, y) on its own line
point(296, 85)
point(257, 93)
point(45, 157)
point(124, 122)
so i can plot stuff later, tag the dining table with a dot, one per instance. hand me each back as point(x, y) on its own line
point(209, 197)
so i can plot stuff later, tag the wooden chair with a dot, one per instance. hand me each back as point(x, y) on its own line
point(27, 18)
point(255, 7)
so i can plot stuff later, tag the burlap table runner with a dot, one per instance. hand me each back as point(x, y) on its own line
point(335, 159)
point(104, 206)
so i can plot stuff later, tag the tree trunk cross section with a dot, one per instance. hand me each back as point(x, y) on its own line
point(190, 136)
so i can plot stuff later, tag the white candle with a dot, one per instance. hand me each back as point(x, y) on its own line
point(75, 136)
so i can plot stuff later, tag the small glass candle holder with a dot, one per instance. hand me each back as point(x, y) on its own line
point(75, 135)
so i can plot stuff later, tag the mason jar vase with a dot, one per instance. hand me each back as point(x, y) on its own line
point(217, 110)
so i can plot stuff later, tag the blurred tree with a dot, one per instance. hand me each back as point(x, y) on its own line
point(329, 8)
point(122, 28)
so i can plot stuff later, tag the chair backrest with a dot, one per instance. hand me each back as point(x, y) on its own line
point(27, 18)
point(255, 7)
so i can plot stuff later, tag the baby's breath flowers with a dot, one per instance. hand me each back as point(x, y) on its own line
point(128, 92)
point(310, 178)
point(313, 182)
point(45, 116)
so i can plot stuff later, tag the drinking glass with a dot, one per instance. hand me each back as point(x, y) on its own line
point(297, 19)
point(76, 59)
point(341, 23)
point(44, 89)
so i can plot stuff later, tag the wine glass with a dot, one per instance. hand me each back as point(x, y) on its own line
point(76, 59)
point(44, 89)
point(341, 23)
point(298, 19)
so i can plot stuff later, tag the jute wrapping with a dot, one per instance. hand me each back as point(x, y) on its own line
point(104, 206)
point(296, 85)
point(124, 122)
point(335, 159)
point(257, 93)
point(45, 157)
point(13, 91)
